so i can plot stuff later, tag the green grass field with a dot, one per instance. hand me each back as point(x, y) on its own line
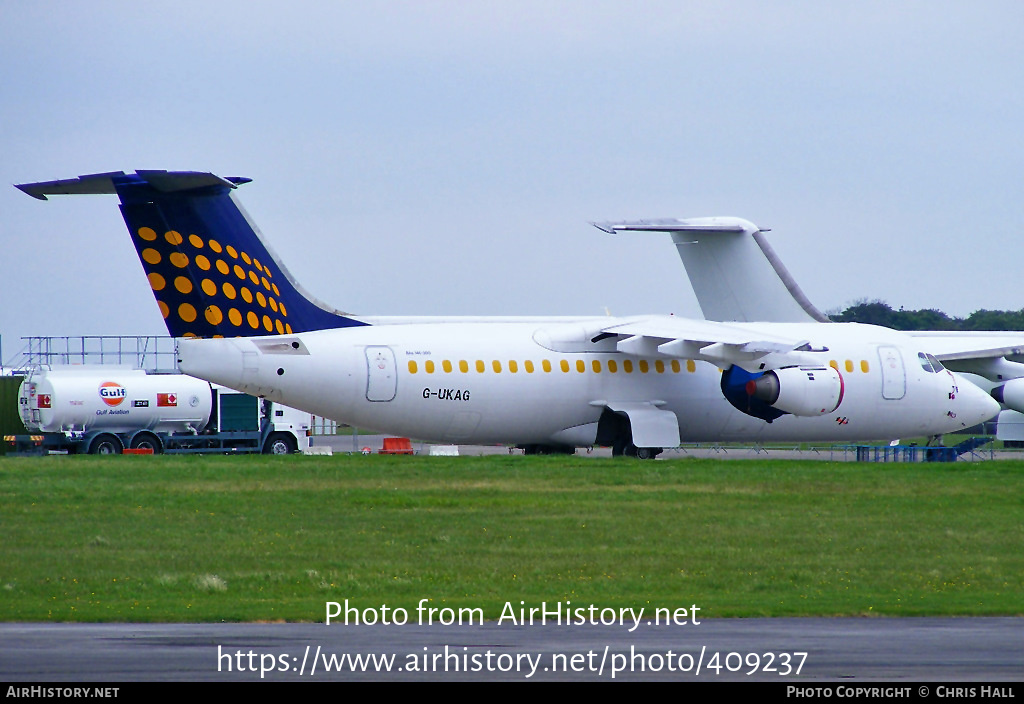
point(275, 538)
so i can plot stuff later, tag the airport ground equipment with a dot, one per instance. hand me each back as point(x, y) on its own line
point(104, 410)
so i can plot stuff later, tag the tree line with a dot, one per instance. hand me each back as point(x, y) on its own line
point(881, 313)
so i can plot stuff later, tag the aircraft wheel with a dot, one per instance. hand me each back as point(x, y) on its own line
point(647, 453)
point(280, 444)
point(105, 444)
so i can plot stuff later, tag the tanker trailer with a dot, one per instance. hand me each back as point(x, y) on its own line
point(104, 409)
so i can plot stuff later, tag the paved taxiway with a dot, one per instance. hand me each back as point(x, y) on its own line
point(848, 650)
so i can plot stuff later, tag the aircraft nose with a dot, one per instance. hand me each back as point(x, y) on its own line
point(973, 405)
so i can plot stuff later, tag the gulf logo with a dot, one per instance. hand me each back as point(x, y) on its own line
point(112, 393)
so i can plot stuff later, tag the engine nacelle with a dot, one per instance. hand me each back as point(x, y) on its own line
point(802, 391)
point(1011, 394)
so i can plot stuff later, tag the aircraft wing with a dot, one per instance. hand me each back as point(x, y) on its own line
point(951, 346)
point(718, 343)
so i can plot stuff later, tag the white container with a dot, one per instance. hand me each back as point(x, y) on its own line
point(115, 399)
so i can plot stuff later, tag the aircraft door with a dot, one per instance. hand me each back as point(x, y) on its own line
point(381, 374)
point(894, 378)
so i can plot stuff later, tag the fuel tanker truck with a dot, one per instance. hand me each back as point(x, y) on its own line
point(105, 410)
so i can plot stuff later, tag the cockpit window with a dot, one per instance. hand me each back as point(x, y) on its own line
point(929, 363)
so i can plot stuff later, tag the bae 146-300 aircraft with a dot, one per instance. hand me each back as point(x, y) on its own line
point(637, 384)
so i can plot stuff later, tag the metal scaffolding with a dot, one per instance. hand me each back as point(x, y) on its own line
point(154, 353)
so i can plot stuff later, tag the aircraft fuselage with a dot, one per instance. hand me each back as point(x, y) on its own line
point(549, 382)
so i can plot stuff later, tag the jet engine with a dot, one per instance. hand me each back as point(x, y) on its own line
point(802, 391)
point(1011, 394)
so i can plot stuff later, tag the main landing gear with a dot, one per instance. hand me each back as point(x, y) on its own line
point(624, 448)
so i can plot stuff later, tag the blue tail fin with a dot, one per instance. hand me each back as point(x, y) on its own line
point(210, 271)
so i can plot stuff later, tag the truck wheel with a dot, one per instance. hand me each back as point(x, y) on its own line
point(147, 441)
point(280, 444)
point(105, 444)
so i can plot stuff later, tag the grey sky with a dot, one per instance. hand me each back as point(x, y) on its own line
point(444, 157)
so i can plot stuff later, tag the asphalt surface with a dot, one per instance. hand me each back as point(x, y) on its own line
point(833, 453)
point(784, 650)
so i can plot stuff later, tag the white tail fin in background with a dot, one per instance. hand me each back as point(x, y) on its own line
point(735, 273)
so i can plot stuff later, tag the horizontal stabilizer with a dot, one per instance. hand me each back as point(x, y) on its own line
point(675, 225)
point(107, 183)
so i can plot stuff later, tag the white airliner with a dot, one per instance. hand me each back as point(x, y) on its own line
point(637, 384)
